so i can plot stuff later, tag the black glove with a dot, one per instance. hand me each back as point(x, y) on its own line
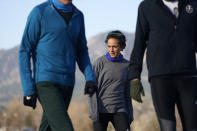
point(30, 101)
point(137, 90)
point(90, 88)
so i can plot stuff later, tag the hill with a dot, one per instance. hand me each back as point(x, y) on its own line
point(10, 86)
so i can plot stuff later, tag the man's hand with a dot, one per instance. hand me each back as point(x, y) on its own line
point(136, 90)
point(30, 101)
point(90, 88)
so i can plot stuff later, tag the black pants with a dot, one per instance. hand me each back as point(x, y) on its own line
point(119, 120)
point(55, 100)
point(180, 90)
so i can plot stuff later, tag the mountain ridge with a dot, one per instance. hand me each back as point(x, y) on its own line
point(10, 86)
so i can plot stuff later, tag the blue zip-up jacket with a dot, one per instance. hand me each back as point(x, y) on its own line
point(50, 48)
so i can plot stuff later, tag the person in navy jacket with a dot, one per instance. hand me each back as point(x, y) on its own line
point(168, 30)
point(53, 41)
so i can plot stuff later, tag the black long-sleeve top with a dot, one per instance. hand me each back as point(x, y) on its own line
point(171, 42)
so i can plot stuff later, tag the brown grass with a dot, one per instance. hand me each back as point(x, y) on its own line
point(16, 115)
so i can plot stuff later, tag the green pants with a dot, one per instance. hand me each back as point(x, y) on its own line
point(55, 100)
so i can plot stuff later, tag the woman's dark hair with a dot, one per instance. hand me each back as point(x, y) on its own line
point(117, 35)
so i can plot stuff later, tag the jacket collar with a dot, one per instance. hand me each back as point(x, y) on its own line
point(167, 11)
point(75, 10)
point(161, 0)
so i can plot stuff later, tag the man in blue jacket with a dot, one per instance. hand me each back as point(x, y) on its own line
point(168, 30)
point(53, 41)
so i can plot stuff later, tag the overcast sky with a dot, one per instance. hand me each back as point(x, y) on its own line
point(100, 16)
